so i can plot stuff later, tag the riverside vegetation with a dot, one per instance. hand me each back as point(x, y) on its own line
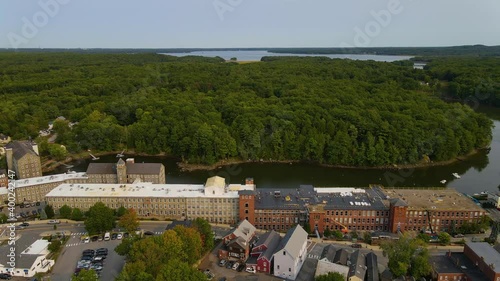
point(330, 111)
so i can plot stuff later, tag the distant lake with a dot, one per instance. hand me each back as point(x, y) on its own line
point(249, 55)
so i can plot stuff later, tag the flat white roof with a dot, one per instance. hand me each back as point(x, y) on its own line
point(142, 189)
point(339, 190)
point(39, 247)
point(49, 179)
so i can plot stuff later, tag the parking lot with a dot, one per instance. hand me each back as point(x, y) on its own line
point(211, 262)
point(71, 254)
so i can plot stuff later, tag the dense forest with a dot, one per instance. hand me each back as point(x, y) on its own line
point(468, 79)
point(342, 112)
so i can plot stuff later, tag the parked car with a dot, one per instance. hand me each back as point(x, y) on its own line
point(86, 240)
point(88, 252)
point(34, 213)
point(94, 238)
point(27, 205)
point(119, 236)
point(5, 276)
point(37, 203)
point(229, 264)
point(114, 236)
point(25, 224)
point(241, 267)
point(356, 245)
point(23, 215)
point(102, 250)
point(222, 262)
point(250, 269)
point(107, 236)
point(235, 265)
point(459, 236)
point(53, 222)
point(126, 235)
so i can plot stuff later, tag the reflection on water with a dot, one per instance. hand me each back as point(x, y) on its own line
point(478, 173)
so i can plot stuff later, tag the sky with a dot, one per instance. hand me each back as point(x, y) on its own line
point(247, 23)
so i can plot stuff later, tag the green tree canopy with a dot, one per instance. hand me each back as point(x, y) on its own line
point(76, 214)
point(339, 112)
point(444, 238)
point(86, 275)
point(65, 211)
point(49, 211)
point(206, 233)
point(406, 256)
point(175, 270)
point(100, 219)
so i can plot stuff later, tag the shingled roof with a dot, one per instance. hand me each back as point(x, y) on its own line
point(101, 168)
point(143, 168)
point(21, 148)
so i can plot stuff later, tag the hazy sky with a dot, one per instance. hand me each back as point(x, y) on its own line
point(247, 23)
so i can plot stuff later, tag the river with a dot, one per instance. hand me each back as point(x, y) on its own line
point(478, 173)
point(254, 55)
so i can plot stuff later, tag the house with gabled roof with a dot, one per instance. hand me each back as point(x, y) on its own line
point(263, 251)
point(291, 253)
point(237, 242)
point(357, 267)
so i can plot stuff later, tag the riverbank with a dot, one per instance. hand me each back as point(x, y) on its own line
point(187, 167)
point(49, 165)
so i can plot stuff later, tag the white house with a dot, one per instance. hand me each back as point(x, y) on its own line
point(291, 253)
point(31, 261)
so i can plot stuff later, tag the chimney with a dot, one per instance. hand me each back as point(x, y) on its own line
point(130, 160)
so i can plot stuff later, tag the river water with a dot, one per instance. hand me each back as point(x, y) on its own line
point(251, 55)
point(478, 173)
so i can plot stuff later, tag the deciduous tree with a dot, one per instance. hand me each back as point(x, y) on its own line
point(100, 219)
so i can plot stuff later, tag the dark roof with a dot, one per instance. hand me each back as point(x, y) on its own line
point(329, 252)
point(288, 199)
point(144, 168)
point(341, 257)
point(251, 260)
point(358, 266)
point(444, 264)
point(398, 203)
point(26, 261)
point(489, 255)
point(272, 244)
point(387, 275)
point(457, 263)
point(246, 192)
point(372, 265)
point(101, 168)
point(21, 148)
point(176, 223)
point(267, 238)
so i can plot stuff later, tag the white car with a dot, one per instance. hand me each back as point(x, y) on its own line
point(86, 240)
point(54, 222)
point(236, 265)
point(107, 236)
point(119, 236)
point(250, 269)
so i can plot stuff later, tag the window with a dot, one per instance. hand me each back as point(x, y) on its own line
point(289, 269)
point(278, 267)
point(284, 253)
point(246, 205)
